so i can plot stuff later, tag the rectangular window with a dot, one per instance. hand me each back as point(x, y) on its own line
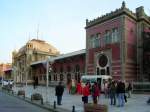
point(94, 40)
point(91, 41)
point(107, 37)
point(115, 35)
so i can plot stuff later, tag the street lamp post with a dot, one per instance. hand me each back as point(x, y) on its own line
point(48, 69)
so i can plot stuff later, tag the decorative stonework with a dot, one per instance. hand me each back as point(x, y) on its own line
point(112, 14)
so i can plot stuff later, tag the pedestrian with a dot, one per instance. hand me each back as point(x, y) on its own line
point(34, 82)
point(148, 101)
point(69, 87)
point(59, 92)
point(106, 89)
point(121, 93)
point(95, 93)
point(86, 93)
point(73, 87)
point(113, 93)
point(129, 89)
point(79, 88)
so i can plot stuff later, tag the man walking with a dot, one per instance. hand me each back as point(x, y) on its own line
point(59, 92)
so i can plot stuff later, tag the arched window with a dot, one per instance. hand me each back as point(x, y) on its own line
point(77, 73)
point(61, 69)
point(68, 78)
point(68, 69)
point(77, 68)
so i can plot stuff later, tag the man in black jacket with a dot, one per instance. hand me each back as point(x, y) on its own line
point(59, 92)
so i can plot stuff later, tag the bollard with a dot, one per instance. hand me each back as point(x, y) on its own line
point(73, 108)
point(54, 104)
point(42, 101)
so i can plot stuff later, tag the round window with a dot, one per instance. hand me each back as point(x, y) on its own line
point(103, 61)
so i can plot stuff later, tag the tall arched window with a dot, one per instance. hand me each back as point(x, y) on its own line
point(61, 73)
point(68, 69)
point(68, 78)
point(77, 73)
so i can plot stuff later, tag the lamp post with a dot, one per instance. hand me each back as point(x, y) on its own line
point(14, 73)
point(48, 69)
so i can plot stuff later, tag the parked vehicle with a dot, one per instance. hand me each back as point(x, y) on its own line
point(100, 79)
point(7, 82)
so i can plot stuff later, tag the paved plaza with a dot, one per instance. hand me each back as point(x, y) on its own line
point(135, 104)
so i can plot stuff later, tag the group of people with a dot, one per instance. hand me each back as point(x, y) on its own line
point(116, 91)
point(74, 87)
point(93, 90)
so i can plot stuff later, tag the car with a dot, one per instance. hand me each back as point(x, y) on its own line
point(10, 82)
point(5, 82)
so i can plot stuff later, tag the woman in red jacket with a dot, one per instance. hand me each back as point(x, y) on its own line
point(86, 93)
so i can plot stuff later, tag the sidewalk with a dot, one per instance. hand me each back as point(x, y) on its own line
point(135, 104)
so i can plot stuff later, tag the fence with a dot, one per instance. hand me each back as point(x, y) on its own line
point(141, 87)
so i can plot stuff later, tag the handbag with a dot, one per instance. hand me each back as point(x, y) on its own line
point(83, 98)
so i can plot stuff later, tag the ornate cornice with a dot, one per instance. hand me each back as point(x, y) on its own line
point(113, 14)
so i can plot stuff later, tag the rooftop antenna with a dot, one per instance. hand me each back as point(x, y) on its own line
point(149, 11)
point(38, 32)
point(29, 37)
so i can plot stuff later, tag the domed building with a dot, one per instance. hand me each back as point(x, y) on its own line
point(34, 50)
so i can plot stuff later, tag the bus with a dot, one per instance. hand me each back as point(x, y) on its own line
point(100, 79)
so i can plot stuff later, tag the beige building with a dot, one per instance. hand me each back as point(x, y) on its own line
point(34, 50)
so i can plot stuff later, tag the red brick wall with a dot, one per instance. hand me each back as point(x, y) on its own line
point(101, 28)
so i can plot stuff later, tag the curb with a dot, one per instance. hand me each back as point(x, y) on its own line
point(44, 106)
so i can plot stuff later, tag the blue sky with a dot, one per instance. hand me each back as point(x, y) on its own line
point(61, 22)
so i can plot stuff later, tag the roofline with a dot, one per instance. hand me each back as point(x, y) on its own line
point(82, 51)
point(79, 52)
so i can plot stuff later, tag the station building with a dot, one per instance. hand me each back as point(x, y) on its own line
point(114, 44)
point(117, 44)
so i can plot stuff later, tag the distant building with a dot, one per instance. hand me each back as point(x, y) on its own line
point(114, 44)
point(3, 68)
point(34, 50)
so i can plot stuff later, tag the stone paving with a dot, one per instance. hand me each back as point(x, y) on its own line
point(135, 104)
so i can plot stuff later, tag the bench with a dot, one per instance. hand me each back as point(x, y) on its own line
point(21, 93)
point(37, 96)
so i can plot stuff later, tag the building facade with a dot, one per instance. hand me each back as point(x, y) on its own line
point(64, 67)
point(114, 44)
point(3, 68)
point(117, 44)
point(34, 50)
